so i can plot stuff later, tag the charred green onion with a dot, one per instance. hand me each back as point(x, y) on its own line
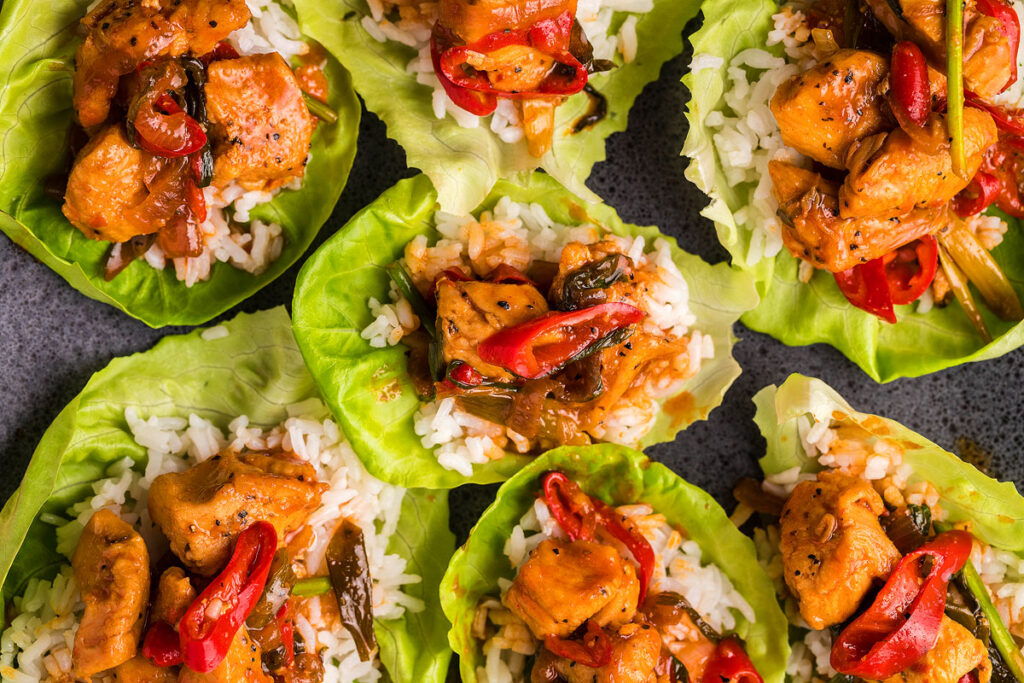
point(314, 585)
point(1001, 636)
point(319, 109)
point(955, 84)
point(958, 283)
point(396, 271)
point(981, 269)
point(350, 577)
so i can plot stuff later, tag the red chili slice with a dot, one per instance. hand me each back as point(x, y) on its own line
point(1009, 25)
point(909, 78)
point(162, 646)
point(910, 269)
point(594, 650)
point(164, 129)
point(730, 664)
point(978, 195)
point(212, 620)
point(474, 100)
point(865, 287)
point(902, 623)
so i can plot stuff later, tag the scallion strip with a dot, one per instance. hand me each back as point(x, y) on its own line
point(958, 283)
point(955, 84)
point(319, 109)
point(982, 270)
point(396, 271)
point(315, 585)
point(1001, 635)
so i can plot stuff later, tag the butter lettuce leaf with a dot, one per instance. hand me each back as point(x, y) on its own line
point(618, 476)
point(254, 370)
point(995, 509)
point(796, 313)
point(369, 389)
point(37, 48)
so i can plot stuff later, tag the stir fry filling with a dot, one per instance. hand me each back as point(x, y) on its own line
point(253, 568)
point(889, 591)
point(173, 120)
point(587, 605)
point(898, 141)
point(548, 352)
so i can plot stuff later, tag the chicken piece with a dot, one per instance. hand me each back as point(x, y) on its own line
point(901, 176)
point(987, 56)
point(813, 231)
point(636, 650)
point(107, 179)
point(138, 669)
point(956, 653)
point(470, 312)
point(242, 664)
point(260, 128)
point(565, 583)
point(174, 594)
point(833, 547)
point(121, 34)
point(203, 509)
point(593, 264)
point(471, 21)
point(111, 566)
point(823, 110)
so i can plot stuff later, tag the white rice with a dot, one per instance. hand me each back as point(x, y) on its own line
point(518, 234)
point(745, 136)
point(42, 634)
point(597, 17)
point(679, 569)
point(230, 234)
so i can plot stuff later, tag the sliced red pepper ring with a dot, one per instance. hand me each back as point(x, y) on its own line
point(1009, 26)
point(594, 650)
point(463, 375)
point(902, 623)
point(730, 664)
point(505, 274)
point(475, 101)
point(579, 515)
point(221, 51)
point(865, 287)
point(543, 345)
point(979, 194)
point(1009, 121)
point(162, 646)
point(287, 630)
point(909, 78)
point(164, 129)
point(910, 269)
point(212, 620)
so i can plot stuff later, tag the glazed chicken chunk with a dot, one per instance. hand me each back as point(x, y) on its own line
point(203, 509)
point(902, 176)
point(470, 312)
point(565, 583)
point(260, 128)
point(956, 653)
point(814, 231)
point(138, 669)
point(121, 34)
point(833, 547)
point(636, 650)
point(824, 110)
point(107, 180)
point(471, 21)
point(111, 566)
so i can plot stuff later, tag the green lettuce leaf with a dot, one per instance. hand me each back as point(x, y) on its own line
point(799, 314)
point(255, 370)
point(37, 47)
point(465, 163)
point(618, 476)
point(995, 508)
point(369, 389)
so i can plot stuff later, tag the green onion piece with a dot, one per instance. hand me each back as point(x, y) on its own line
point(980, 268)
point(1000, 634)
point(319, 109)
point(315, 585)
point(955, 84)
point(958, 283)
point(396, 271)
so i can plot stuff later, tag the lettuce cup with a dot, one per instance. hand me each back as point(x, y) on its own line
point(168, 171)
point(641, 571)
point(895, 560)
point(196, 514)
point(475, 92)
point(905, 276)
point(455, 348)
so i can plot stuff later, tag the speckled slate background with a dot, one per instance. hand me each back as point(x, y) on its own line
point(52, 338)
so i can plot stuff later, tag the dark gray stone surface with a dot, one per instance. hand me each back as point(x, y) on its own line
point(52, 338)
